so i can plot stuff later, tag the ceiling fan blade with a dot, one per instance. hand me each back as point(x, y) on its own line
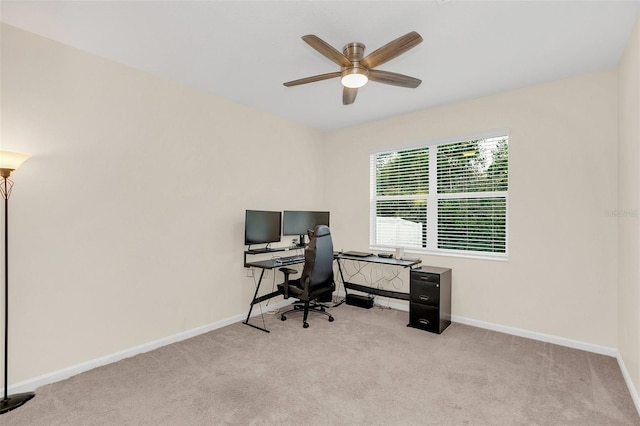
point(327, 50)
point(394, 79)
point(312, 79)
point(391, 50)
point(349, 95)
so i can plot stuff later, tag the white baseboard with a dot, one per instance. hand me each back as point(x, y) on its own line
point(65, 373)
point(562, 341)
point(576, 344)
point(56, 376)
point(627, 379)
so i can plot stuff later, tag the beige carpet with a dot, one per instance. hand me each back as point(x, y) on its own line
point(365, 368)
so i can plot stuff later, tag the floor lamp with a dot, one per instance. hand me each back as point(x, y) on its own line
point(9, 161)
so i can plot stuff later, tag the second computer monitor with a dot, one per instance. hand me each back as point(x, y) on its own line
point(299, 222)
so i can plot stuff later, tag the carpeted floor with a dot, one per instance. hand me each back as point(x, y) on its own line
point(366, 367)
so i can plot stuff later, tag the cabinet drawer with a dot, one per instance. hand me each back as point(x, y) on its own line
point(417, 275)
point(425, 317)
point(424, 292)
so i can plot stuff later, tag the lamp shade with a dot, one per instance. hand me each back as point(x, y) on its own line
point(10, 160)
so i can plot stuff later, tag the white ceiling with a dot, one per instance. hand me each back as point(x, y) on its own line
point(244, 50)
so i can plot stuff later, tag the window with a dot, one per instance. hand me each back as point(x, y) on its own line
point(448, 197)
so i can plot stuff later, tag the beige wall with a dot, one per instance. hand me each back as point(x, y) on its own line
point(127, 223)
point(560, 278)
point(629, 207)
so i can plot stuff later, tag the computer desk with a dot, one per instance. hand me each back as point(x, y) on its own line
point(264, 265)
point(404, 263)
point(269, 264)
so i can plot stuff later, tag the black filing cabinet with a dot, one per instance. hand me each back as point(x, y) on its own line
point(430, 298)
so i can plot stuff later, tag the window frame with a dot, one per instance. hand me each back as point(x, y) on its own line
point(433, 197)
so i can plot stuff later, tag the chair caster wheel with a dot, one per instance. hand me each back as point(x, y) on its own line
point(330, 319)
point(283, 318)
point(305, 325)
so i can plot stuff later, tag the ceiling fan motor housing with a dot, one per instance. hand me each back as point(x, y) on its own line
point(354, 51)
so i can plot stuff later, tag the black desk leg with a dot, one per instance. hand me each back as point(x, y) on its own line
point(253, 302)
point(343, 285)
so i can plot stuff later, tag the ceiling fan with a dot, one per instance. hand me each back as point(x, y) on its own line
point(356, 69)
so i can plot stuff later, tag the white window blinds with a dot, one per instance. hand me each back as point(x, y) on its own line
point(401, 188)
point(448, 197)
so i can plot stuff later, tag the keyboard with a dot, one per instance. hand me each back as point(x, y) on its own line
point(289, 260)
point(357, 254)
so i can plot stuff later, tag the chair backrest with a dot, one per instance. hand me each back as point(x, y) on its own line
point(318, 258)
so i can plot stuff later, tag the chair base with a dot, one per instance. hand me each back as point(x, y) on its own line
point(14, 401)
point(300, 307)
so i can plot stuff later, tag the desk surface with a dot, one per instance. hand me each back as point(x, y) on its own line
point(383, 260)
point(270, 264)
point(273, 263)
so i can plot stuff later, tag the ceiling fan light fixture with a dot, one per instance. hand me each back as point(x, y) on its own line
point(354, 77)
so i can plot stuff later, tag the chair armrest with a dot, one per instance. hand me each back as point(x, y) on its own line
point(287, 272)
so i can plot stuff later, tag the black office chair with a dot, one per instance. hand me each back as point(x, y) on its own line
point(316, 280)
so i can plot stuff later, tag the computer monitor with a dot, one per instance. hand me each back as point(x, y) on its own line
point(298, 222)
point(261, 226)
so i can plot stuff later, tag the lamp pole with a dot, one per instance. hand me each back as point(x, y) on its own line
point(5, 195)
point(8, 163)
